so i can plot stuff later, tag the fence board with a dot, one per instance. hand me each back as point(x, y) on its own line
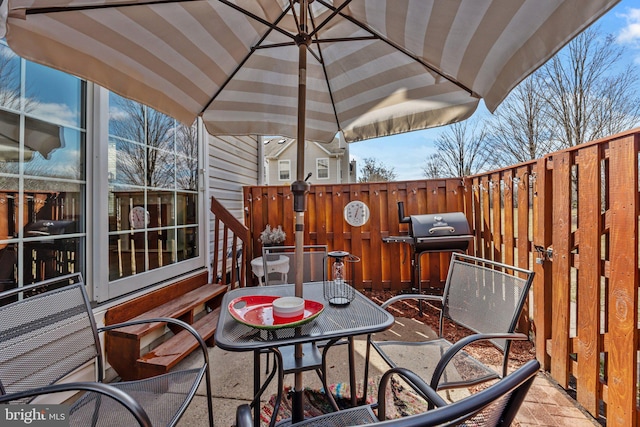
point(623, 282)
point(430, 263)
point(375, 268)
point(477, 216)
point(486, 217)
point(509, 230)
point(561, 267)
point(588, 312)
point(323, 218)
point(524, 201)
point(392, 251)
point(338, 224)
point(356, 235)
point(496, 211)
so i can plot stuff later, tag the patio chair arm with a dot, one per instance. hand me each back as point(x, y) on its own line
point(401, 297)
point(184, 325)
point(243, 416)
point(459, 345)
point(415, 382)
point(118, 395)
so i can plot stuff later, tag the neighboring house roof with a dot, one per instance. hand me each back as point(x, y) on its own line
point(274, 147)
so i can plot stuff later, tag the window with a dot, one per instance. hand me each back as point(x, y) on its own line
point(70, 188)
point(153, 189)
point(284, 170)
point(322, 168)
point(42, 172)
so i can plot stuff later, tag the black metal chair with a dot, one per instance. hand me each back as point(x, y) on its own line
point(483, 296)
point(49, 332)
point(496, 405)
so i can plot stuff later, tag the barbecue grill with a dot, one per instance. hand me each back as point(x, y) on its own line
point(428, 233)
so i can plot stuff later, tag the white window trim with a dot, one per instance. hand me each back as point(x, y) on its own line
point(98, 235)
point(281, 168)
point(328, 163)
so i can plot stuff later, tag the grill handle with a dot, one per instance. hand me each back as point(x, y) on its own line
point(401, 218)
point(447, 228)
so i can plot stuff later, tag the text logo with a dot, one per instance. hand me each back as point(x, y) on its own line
point(34, 415)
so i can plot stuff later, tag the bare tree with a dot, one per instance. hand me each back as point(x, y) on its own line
point(187, 161)
point(461, 151)
point(148, 164)
point(587, 93)
point(433, 167)
point(372, 171)
point(519, 130)
point(9, 78)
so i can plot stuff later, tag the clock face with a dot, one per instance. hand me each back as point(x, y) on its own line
point(356, 213)
point(138, 217)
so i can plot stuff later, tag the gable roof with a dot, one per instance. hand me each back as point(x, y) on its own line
point(275, 146)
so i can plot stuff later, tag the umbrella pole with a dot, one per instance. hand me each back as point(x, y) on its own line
point(299, 189)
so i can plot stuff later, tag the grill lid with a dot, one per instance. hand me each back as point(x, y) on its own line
point(441, 231)
point(438, 225)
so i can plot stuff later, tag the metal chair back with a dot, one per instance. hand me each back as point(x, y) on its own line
point(484, 296)
point(46, 332)
point(314, 256)
point(496, 405)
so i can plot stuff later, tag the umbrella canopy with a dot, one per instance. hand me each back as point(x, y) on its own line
point(374, 67)
point(39, 136)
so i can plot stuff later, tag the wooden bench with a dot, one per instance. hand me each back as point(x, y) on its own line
point(180, 300)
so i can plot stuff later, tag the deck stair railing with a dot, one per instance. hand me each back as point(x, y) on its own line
point(231, 247)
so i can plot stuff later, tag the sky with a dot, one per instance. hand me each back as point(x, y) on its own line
point(406, 153)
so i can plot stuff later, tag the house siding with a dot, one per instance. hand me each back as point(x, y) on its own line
point(338, 163)
point(232, 162)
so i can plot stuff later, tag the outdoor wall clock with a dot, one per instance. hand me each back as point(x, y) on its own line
point(356, 213)
point(138, 217)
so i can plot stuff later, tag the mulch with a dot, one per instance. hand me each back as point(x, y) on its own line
point(520, 352)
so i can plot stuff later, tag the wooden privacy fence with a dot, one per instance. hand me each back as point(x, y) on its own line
point(571, 216)
point(382, 265)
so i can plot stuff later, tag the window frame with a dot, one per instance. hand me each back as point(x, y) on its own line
point(281, 169)
point(328, 168)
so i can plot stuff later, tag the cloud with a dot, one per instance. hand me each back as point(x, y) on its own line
point(55, 113)
point(630, 33)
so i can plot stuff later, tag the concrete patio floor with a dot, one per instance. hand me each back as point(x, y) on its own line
point(232, 385)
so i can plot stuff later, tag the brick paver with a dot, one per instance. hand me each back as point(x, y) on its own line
point(548, 405)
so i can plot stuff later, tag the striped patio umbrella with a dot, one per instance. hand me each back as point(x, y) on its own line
point(301, 68)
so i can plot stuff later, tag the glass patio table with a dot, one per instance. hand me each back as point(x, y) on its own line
point(362, 316)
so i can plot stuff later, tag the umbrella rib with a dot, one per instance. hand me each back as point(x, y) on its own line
point(400, 49)
point(40, 10)
point(324, 69)
point(246, 58)
point(335, 12)
point(273, 26)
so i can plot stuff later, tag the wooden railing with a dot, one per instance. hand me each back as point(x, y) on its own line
point(232, 250)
